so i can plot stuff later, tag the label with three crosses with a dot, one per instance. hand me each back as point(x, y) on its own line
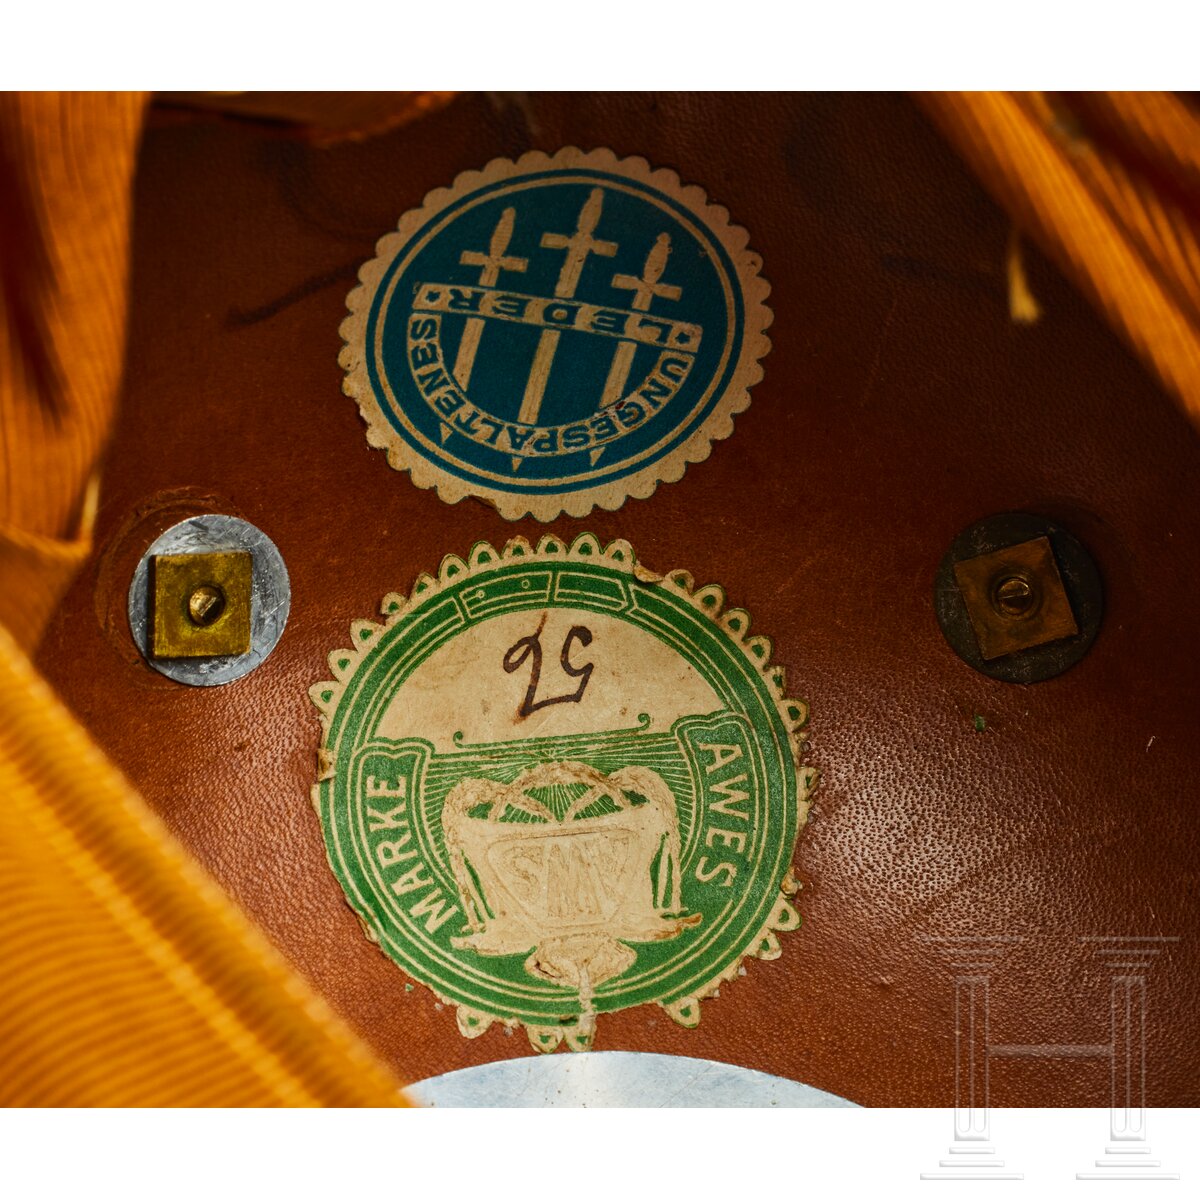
point(556, 333)
point(553, 785)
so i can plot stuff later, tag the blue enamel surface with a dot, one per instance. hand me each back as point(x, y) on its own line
point(582, 361)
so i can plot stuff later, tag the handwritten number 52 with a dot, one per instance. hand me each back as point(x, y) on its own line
point(530, 648)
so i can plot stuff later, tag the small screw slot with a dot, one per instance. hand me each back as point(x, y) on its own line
point(205, 605)
point(1015, 596)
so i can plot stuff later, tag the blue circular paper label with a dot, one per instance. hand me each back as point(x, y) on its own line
point(556, 333)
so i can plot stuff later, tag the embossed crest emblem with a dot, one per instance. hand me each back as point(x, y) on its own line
point(554, 785)
point(556, 333)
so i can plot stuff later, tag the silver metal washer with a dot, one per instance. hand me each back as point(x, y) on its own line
point(270, 597)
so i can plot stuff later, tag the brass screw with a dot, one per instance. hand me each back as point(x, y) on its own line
point(1014, 596)
point(205, 605)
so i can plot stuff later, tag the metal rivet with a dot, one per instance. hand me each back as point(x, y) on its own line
point(1014, 596)
point(205, 605)
point(1018, 598)
point(197, 613)
point(201, 604)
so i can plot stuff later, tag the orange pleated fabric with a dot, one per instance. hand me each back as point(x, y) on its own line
point(1109, 186)
point(128, 976)
point(66, 174)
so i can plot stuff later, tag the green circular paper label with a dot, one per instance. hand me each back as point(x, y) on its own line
point(555, 785)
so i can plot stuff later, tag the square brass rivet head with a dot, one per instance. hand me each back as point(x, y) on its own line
point(1015, 598)
point(201, 604)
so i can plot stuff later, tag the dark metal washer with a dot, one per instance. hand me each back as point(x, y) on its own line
point(1080, 578)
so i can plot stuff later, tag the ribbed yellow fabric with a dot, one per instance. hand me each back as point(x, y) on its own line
point(1160, 127)
point(66, 173)
point(1108, 187)
point(126, 976)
